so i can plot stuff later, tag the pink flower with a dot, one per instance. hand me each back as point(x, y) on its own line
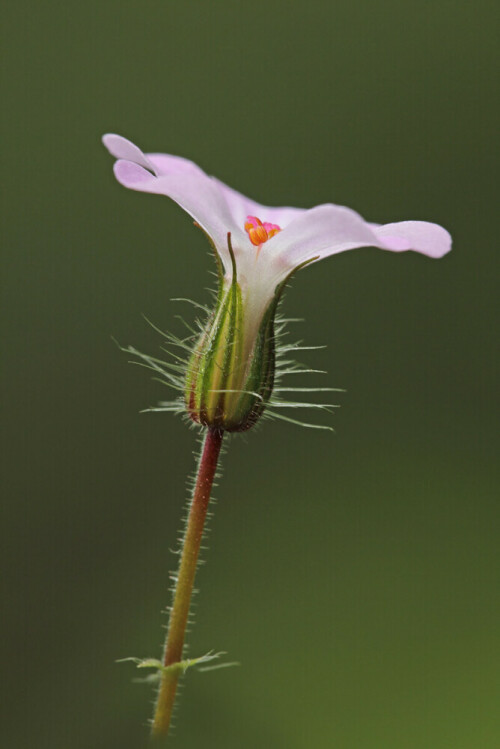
point(268, 242)
point(230, 375)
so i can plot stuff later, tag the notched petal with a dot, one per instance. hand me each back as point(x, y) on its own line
point(121, 148)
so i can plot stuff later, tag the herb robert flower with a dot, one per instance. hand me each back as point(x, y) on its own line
point(230, 375)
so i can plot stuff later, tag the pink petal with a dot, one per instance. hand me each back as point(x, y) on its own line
point(329, 229)
point(241, 207)
point(420, 236)
point(321, 231)
point(166, 164)
point(198, 194)
point(121, 148)
point(157, 163)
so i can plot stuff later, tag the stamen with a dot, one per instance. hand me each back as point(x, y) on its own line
point(258, 231)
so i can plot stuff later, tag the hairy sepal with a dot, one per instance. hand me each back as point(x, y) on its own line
point(230, 374)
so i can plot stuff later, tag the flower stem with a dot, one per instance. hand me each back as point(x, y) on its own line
point(184, 588)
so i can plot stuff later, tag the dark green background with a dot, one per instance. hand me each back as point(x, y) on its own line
point(353, 576)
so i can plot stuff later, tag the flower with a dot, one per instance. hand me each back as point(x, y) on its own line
point(231, 373)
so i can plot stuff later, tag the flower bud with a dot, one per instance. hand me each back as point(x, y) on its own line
point(230, 374)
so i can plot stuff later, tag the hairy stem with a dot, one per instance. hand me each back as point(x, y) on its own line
point(184, 588)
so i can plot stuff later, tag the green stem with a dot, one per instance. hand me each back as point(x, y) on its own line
point(183, 590)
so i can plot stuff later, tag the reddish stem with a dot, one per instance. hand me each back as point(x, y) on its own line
point(184, 588)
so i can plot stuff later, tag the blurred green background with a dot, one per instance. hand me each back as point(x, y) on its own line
point(352, 576)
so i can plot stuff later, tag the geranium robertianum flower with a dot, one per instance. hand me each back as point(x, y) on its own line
point(230, 374)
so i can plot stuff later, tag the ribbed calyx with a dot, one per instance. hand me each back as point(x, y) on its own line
point(230, 375)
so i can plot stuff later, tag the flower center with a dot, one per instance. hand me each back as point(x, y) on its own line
point(259, 231)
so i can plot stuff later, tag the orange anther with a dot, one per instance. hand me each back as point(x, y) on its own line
point(258, 231)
